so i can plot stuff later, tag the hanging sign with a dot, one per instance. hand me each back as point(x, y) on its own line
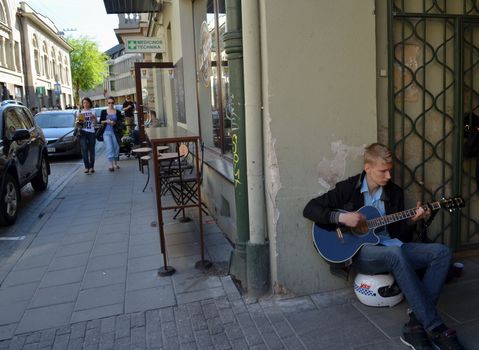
point(144, 44)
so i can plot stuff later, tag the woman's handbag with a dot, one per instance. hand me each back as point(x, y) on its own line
point(99, 132)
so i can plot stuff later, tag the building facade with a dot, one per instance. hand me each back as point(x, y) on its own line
point(45, 58)
point(285, 98)
point(11, 69)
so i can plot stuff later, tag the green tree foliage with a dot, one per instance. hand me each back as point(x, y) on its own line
point(88, 65)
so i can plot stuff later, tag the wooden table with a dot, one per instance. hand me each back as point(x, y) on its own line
point(168, 135)
point(139, 152)
point(162, 148)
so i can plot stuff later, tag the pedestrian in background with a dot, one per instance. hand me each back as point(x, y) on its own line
point(112, 119)
point(86, 120)
point(129, 110)
point(5, 92)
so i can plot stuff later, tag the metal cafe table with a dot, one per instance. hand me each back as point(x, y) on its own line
point(168, 135)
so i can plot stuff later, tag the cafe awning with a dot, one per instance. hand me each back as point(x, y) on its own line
point(132, 6)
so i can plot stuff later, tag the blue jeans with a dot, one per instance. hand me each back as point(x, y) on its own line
point(87, 145)
point(402, 262)
point(112, 147)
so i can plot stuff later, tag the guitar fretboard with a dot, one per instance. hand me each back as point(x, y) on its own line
point(402, 215)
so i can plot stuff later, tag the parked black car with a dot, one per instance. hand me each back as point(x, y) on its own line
point(23, 157)
point(58, 128)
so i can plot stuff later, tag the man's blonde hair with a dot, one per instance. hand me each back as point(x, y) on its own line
point(377, 151)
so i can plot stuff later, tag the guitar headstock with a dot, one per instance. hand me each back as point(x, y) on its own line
point(452, 203)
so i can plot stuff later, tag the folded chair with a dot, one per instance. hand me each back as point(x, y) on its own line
point(184, 188)
point(171, 168)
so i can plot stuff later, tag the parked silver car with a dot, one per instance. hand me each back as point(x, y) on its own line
point(58, 128)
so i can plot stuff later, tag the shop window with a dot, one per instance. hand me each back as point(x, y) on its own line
point(213, 74)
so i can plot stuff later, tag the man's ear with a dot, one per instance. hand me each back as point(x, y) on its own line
point(367, 167)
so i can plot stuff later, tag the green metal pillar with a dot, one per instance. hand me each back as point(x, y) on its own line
point(234, 51)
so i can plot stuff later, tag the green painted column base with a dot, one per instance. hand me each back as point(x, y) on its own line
point(257, 269)
point(238, 264)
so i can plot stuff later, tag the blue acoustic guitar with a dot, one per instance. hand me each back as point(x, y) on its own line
point(338, 244)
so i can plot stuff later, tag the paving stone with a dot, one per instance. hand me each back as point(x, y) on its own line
point(169, 329)
point(104, 277)
point(45, 317)
point(142, 250)
point(109, 249)
point(220, 340)
point(293, 343)
point(61, 342)
point(78, 330)
point(233, 331)
point(97, 312)
point(7, 331)
point(123, 326)
point(108, 324)
point(59, 277)
point(171, 343)
point(105, 262)
point(75, 248)
point(107, 341)
point(138, 337)
point(33, 338)
point(34, 261)
point(71, 261)
point(93, 324)
point(75, 344)
point(196, 283)
point(146, 263)
point(167, 314)
point(146, 279)
point(12, 313)
point(100, 296)
point(188, 297)
point(27, 276)
point(116, 237)
point(17, 342)
point(17, 293)
point(55, 295)
point(151, 298)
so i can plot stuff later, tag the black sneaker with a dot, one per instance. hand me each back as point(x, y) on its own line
point(446, 340)
point(416, 337)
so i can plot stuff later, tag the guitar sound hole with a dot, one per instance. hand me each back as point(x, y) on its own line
point(361, 229)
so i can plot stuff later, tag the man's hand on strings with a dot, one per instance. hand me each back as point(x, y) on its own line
point(421, 213)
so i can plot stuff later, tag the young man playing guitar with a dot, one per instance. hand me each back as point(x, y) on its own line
point(395, 252)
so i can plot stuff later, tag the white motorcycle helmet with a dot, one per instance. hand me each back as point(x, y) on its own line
point(377, 290)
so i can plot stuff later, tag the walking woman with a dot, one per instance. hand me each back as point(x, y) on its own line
point(113, 122)
point(86, 120)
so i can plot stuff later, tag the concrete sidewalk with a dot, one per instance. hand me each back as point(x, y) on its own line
point(88, 280)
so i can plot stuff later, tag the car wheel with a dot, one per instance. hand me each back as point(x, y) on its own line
point(10, 197)
point(40, 181)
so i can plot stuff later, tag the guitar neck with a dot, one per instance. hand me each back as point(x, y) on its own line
point(402, 215)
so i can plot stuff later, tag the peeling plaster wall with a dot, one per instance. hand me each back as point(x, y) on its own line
point(319, 97)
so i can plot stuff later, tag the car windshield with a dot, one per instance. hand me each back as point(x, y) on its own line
point(55, 120)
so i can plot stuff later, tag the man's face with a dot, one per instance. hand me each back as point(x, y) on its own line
point(378, 173)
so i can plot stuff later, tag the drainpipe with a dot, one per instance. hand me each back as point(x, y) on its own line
point(234, 50)
point(257, 249)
